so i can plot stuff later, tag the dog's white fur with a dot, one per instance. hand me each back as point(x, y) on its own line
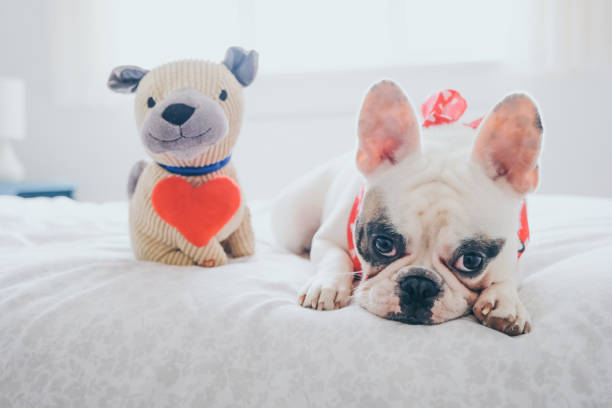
point(434, 196)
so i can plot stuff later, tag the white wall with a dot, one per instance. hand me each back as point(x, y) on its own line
point(319, 122)
point(293, 121)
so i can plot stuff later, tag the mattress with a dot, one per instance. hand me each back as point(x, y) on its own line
point(83, 324)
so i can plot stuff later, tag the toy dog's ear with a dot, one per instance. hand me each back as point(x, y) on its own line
point(243, 64)
point(125, 78)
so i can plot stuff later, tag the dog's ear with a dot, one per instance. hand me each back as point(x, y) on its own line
point(243, 64)
point(509, 142)
point(125, 78)
point(388, 128)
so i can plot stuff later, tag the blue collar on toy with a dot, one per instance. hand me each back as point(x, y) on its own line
point(197, 171)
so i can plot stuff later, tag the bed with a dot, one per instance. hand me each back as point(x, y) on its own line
point(83, 324)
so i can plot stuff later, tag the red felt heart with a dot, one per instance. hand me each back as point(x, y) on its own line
point(197, 212)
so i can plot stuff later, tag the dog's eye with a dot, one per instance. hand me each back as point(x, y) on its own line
point(150, 102)
point(469, 262)
point(384, 246)
point(223, 95)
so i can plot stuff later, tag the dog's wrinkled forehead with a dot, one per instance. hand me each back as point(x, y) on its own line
point(435, 204)
point(411, 220)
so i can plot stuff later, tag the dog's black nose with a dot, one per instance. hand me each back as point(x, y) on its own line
point(417, 295)
point(418, 290)
point(177, 113)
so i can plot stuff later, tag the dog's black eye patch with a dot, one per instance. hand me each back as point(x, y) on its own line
point(378, 242)
point(223, 95)
point(150, 102)
point(384, 246)
point(473, 254)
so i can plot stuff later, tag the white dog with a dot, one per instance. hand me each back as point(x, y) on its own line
point(437, 216)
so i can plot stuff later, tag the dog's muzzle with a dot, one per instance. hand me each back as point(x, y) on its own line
point(417, 292)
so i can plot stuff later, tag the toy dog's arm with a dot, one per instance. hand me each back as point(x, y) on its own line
point(151, 248)
point(209, 255)
point(135, 173)
point(242, 241)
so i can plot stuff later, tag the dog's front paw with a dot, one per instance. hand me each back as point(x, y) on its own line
point(500, 308)
point(326, 291)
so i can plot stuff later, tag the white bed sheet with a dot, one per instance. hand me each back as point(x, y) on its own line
point(82, 324)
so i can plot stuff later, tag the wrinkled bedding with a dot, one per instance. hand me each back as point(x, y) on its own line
point(83, 324)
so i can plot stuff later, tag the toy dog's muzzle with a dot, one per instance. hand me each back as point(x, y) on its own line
point(185, 124)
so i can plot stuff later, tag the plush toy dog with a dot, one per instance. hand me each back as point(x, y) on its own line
point(186, 206)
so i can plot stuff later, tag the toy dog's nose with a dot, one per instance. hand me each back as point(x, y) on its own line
point(418, 290)
point(177, 113)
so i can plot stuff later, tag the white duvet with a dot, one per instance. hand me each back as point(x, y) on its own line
point(82, 324)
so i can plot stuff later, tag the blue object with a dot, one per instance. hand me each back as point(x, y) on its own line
point(37, 189)
point(197, 171)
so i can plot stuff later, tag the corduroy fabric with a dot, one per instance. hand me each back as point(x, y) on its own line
point(155, 240)
point(208, 77)
point(152, 238)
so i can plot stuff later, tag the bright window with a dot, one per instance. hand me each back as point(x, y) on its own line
point(90, 38)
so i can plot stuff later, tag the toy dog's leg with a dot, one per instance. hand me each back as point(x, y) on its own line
point(242, 241)
point(209, 255)
point(174, 256)
point(148, 248)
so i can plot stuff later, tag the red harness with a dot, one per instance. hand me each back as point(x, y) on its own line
point(443, 107)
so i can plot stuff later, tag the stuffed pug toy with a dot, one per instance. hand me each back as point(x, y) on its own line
point(186, 207)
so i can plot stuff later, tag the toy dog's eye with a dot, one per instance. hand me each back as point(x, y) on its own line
point(223, 95)
point(384, 246)
point(150, 102)
point(470, 262)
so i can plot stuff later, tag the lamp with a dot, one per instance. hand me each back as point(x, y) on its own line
point(12, 126)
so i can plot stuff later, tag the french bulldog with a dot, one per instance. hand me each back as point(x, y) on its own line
point(436, 226)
